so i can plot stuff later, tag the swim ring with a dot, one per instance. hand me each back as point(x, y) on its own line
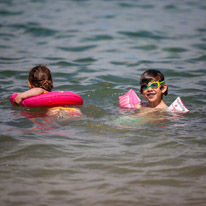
point(56, 98)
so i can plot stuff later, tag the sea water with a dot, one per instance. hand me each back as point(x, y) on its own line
point(107, 156)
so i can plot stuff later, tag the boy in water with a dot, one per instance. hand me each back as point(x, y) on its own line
point(153, 87)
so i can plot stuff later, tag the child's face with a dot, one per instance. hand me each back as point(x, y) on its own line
point(154, 95)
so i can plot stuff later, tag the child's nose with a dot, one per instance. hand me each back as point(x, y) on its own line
point(149, 88)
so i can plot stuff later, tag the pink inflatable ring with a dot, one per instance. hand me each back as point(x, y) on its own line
point(50, 99)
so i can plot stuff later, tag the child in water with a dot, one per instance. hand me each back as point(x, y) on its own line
point(153, 87)
point(39, 81)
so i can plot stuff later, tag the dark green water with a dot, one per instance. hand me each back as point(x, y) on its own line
point(99, 49)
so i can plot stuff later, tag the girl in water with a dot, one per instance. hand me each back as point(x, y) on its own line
point(39, 81)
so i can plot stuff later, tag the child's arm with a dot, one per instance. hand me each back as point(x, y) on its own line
point(29, 93)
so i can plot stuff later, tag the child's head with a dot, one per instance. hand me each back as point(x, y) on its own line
point(152, 75)
point(40, 76)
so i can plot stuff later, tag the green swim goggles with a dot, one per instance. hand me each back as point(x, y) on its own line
point(153, 85)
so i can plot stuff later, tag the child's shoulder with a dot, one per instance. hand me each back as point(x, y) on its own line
point(144, 104)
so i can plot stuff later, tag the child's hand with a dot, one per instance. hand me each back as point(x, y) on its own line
point(138, 106)
point(18, 98)
point(29, 93)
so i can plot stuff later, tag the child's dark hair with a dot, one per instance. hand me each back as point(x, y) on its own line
point(40, 76)
point(149, 76)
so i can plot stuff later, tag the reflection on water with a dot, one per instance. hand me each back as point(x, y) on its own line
point(106, 156)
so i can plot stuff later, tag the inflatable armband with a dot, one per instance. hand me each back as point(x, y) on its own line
point(178, 106)
point(129, 100)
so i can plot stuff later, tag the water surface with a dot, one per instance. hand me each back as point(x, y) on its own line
point(99, 49)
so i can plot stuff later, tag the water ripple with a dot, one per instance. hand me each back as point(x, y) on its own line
point(77, 49)
point(99, 38)
point(9, 13)
point(198, 59)
point(143, 34)
point(176, 49)
point(40, 31)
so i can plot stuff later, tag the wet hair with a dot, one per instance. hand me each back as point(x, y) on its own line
point(40, 76)
point(149, 76)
